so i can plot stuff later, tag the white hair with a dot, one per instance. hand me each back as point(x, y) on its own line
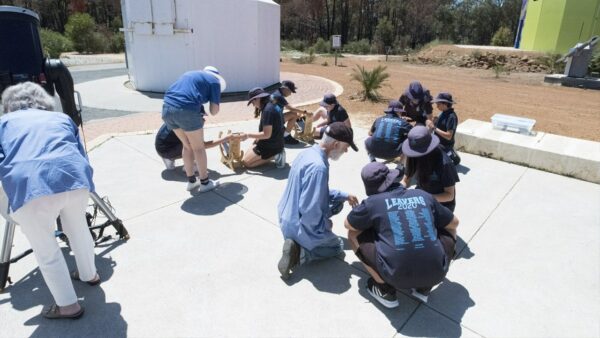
point(326, 139)
point(26, 95)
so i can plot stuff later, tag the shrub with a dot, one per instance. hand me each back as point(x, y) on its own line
point(498, 70)
point(117, 43)
point(358, 47)
point(80, 29)
point(54, 43)
point(305, 59)
point(370, 81)
point(550, 60)
point(503, 37)
point(476, 54)
point(322, 46)
point(295, 44)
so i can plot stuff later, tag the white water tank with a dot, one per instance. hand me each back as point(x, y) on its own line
point(166, 38)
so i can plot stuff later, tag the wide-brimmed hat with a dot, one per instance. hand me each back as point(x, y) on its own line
point(289, 85)
point(443, 98)
point(341, 132)
point(328, 99)
point(394, 106)
point(419, 142)
point(256, 93)
point(415, 91)
point(377, 177)
point(214, 71)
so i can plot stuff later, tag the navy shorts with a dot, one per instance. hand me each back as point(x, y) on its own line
point(181, 118)
point(265, 153)
point(382, 150)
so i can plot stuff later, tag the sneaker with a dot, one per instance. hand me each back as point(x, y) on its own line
point(191, 186)
point(289, 259)
point(383, 293)
point(170, 164)
point(420, 294)
point(280, 160)
point(208, 187)
point(290, 140)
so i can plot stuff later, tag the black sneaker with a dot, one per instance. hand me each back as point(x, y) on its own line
point(383, 293)
point(289, 259)
point(290, 140)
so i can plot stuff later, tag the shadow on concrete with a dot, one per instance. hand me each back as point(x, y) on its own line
point(330, 275)
point(271, 171)
point(100, 319)
point(462, 169)
point(462, 249)
point(206, 203)
point(433, 323)
point(178, 174)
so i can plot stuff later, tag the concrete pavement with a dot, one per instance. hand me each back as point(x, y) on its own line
point(205, 265)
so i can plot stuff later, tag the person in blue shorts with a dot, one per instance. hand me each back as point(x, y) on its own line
point(182, 112)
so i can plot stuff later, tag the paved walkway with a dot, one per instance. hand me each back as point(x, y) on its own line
point(205, 265)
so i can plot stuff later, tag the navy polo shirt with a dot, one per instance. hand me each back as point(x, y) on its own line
point(272, 115)
point(447, 121)
point(337, 114)
point(406, 224)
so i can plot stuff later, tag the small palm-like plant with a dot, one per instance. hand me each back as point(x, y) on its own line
point(371, 81)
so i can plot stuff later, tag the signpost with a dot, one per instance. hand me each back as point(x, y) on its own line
point(336, 43)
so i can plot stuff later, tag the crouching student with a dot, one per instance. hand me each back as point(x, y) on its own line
point(387, 134)
point(330, 111)
point(404, 238)
point(432, 169)
point(169, 147)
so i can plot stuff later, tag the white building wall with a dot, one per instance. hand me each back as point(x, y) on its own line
point(165, 38)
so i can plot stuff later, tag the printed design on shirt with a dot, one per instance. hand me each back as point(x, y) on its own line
point(419, 228)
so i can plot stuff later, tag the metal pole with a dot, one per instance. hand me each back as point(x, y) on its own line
point(100, 203)
point(9, 234)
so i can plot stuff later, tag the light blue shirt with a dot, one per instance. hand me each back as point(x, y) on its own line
point(304, 207)
point(41, 154)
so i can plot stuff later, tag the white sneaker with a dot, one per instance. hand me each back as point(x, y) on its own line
point(192, 186)
point(170, 164)
point(208, 187)
point(280, 160)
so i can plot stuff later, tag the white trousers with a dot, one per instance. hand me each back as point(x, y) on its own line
point(37, 219)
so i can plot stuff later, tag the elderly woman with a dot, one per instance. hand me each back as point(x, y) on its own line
point(45, 173)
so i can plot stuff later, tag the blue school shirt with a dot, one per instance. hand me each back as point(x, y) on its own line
point(41, 154)
point(192, 90)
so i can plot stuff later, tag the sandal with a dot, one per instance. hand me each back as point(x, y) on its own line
point(54, 313)
point(75, 276)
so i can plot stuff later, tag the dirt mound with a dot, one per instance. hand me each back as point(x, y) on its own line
point(484, 57)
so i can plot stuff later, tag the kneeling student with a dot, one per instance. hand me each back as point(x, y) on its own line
point(169, 147)
point(404, 238)
point(268, 144)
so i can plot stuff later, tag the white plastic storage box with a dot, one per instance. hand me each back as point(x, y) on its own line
point(515, 124)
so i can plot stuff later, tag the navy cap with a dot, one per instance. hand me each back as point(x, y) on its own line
point(328, 99)
point(415, 91)
point(341, 132)
point(289, 85)
point(377, 177)
point(394, 106)
point(419, 142)
point(256, 93)
point(443, 98)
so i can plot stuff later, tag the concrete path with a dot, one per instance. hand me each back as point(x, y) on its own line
point(205, 265)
